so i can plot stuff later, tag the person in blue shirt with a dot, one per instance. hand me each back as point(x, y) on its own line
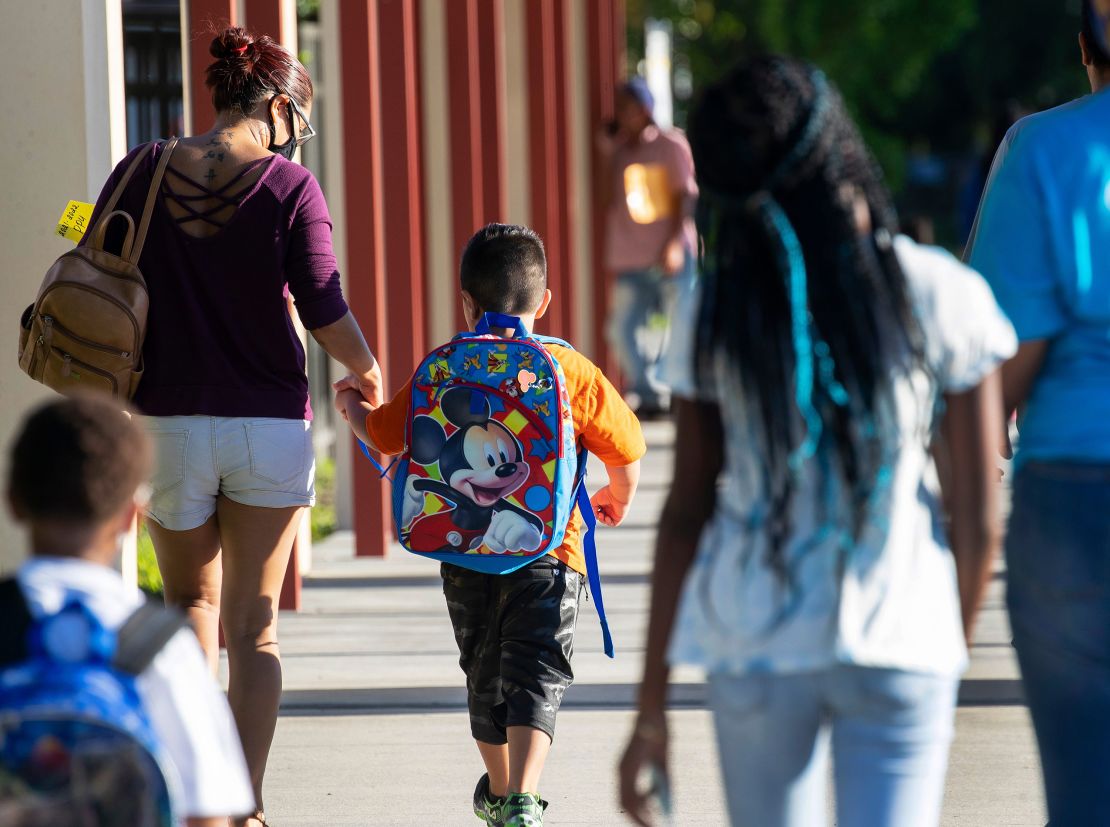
point(1041, 240)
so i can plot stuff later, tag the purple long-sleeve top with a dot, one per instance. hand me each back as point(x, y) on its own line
point(219, 339)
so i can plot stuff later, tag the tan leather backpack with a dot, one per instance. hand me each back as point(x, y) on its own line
point(87, 326)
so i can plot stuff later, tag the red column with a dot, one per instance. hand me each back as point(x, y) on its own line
point(549, 140)
point(403, 186)
point(570, 323)
point(491, 70)
point(465, 116)
point(273, 18)
point(606, 43)
point(203, 17)
point(475, 112)
point(362, 166)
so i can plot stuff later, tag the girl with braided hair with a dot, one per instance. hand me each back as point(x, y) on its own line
point(802, 558)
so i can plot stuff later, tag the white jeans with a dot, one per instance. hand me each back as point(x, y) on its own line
point(888, 732)
point(253, 461)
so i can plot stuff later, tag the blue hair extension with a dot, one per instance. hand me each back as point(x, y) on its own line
point(814, 367)
point(800, 328)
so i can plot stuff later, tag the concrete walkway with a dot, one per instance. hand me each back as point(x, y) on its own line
point(374, 728)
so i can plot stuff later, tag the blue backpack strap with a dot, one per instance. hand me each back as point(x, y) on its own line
point(491, 320)
point(589, 549)
point(144, 634)
point(383, 472)
point(552, 340)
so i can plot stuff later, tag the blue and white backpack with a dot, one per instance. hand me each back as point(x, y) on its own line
point(76, 746)
point(491, 474)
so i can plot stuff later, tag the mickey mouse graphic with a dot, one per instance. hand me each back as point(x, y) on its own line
point(481, 463)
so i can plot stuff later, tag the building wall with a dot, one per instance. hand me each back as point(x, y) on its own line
point(64, 62)
point(487, 156)
point(441, 255)
point(516, 91)
point(72, 129)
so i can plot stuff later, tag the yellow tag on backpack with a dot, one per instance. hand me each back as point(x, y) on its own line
point(75, 220)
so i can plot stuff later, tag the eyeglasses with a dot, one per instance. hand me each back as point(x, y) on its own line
point(308, 133)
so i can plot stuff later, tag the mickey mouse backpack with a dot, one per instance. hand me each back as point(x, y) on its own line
point(76, 746)
point(491, 476)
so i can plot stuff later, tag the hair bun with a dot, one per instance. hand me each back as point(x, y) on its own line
point(233, 42)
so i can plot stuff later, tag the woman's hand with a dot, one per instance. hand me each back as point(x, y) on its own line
point(368, 385)
point(647, 748)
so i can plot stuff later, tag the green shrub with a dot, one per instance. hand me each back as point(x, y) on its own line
point(150, 578)
point(323, 517)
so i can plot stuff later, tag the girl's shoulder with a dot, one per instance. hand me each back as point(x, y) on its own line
point(966, 332)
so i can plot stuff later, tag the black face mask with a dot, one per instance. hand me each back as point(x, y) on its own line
point(288, 149)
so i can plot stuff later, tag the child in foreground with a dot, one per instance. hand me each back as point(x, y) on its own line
point(515, 631)
point(76, 470)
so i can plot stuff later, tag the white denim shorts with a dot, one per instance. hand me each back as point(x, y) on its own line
point(254, 461)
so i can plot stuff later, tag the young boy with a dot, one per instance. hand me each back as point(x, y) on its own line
point(515, 631)
point(76, 470)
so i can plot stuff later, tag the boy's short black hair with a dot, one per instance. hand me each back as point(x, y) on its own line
point(78, 460)
point(504, 268)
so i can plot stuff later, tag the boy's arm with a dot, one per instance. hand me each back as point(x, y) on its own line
point(612, 433)
point(354, 408)
point(381, 428)
point(611, 502)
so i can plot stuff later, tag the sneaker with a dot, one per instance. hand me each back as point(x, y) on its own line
point(523, 810)
point(487, 806)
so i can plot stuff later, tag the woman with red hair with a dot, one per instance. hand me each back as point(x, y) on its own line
point(237, 228)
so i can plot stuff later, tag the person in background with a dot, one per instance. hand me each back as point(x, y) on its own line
point(1040, 239)
point(650, 241)
point(804, 531)
point(238, 227)
point(76, 472)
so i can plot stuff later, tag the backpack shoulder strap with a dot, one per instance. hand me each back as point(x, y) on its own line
point(99, 231)
point(15, 622)
point(552, 340)
point(144, 635)
point(151, 196)
point(126, 179)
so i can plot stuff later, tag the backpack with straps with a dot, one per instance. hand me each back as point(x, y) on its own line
point(76, 745)
point(491, 474)
point(87, 325)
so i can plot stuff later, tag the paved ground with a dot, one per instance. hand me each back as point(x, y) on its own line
point(374, 728)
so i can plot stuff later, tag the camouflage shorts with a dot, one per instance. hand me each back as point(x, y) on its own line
point(515, 634)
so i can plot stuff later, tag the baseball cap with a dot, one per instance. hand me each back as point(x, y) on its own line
point(637, 89)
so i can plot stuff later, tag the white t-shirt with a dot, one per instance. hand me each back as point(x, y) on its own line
point(895, 604)
point(187, 710)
